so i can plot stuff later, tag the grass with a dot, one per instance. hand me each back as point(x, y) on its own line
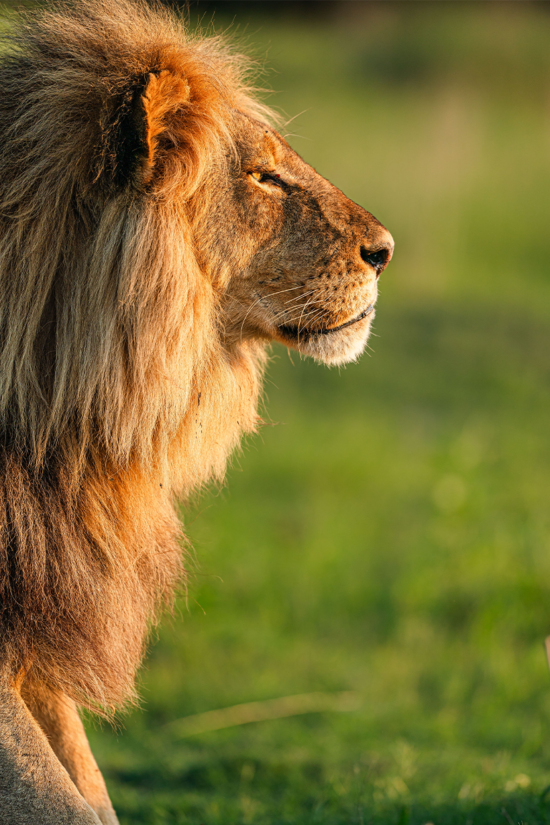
point(390, 534)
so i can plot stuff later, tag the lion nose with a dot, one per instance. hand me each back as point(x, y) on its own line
point(378, 251)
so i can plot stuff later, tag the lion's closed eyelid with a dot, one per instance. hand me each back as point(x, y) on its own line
point(266, 177)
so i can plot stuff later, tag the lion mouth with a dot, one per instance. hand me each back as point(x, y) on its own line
point(304, 333)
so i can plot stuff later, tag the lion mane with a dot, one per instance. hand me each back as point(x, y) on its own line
point(116, 394)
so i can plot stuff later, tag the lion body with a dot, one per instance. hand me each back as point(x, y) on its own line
point(155, 234)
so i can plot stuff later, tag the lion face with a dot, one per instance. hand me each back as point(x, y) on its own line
point(305, 271)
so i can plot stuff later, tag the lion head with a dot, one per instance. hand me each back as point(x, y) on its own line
point(309, 279)
point(155, 233)
point(302, 261)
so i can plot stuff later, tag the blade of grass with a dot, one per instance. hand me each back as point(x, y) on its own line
point(248, 712)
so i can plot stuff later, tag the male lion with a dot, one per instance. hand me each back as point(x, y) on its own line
point(155, 234)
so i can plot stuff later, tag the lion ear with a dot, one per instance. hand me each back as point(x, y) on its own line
point(164, 96)
point(140, 129)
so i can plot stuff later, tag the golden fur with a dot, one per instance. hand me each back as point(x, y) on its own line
point(155, 234)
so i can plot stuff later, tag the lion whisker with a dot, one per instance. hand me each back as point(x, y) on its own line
point(300, 317)
point(285, 311)
point(303, 295)
point(289, 121)
point(261, 298)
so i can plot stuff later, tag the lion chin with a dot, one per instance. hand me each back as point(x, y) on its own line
point(333, 346)
point(156, 234)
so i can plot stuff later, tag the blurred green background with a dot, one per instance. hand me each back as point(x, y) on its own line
point(390, 533)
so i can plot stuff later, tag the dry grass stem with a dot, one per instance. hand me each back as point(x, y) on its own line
point(318, 702)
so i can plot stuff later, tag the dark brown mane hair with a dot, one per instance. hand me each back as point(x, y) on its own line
point(116, 394)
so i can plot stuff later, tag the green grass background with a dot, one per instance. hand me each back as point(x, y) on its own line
point(390, 533)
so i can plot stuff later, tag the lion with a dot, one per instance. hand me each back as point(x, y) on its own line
point(156, 234)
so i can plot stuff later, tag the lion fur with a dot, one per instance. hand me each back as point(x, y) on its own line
point(116, 394)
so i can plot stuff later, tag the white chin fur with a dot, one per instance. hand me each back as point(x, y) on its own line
point(339, 348)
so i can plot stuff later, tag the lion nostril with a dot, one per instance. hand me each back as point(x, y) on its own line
point(377, 251)
point(377, 259)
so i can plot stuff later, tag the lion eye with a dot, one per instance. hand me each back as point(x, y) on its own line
point(266, 177)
